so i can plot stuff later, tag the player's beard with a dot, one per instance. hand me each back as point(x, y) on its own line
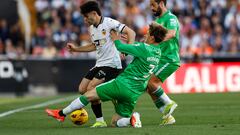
point(158, 12)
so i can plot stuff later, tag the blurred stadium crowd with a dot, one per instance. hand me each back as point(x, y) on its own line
point(208, 27)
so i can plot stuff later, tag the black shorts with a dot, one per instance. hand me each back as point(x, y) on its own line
point(108, 73)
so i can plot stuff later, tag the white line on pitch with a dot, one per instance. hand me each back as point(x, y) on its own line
point(51, 102)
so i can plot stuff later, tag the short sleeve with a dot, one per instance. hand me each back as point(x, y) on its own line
point(116, 25)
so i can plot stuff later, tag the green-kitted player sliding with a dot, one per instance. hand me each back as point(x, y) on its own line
point(125, 90)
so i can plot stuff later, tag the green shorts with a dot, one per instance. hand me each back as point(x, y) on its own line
point(165, 69)
point(123, 98)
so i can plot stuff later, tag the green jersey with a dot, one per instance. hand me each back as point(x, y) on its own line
point(170, 48)
point(146, 58)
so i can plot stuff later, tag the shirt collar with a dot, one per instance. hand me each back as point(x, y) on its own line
point(101, 21)
point(165, 13)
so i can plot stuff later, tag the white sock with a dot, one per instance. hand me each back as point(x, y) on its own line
point(76, 104)
point(123, 122)
point(101, 119)
point(166, 100)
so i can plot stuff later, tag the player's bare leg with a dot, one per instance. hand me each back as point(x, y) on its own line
point(58, 114)
point(83, 85)
point(161, 100)
point(114, 120)
point(78, 103)
point(134, 121)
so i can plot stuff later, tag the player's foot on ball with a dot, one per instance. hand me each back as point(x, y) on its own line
point(168, 121)
point(99, 124)
point(55, 114)
point(135, 120)
point(169, 109)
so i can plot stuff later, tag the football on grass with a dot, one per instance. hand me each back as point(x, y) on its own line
point(79, 117)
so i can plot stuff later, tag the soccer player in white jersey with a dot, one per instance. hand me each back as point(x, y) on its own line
point(108, 62)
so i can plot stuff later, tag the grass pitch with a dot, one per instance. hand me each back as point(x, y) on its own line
point(197, 114)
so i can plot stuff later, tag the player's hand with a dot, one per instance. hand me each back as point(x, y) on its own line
point(114, 35)
point(122, 56)
point(124, 38)
point(71, 47)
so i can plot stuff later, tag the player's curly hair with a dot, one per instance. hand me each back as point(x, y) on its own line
point(157, 31)
point(164, 1)
point(90, 6)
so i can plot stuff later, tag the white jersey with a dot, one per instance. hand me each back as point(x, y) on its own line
point(106, 52)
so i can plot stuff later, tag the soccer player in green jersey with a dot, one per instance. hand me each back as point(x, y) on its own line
point(169, 61)
point(129, 85)
point(108, 63)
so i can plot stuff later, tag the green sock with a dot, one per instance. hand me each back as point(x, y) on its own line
point(84, 100)
point(159, 103)
point(158, 92)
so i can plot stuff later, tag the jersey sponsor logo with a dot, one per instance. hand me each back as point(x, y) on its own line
point(100, 42)
point(103, 41)
point(104, 32)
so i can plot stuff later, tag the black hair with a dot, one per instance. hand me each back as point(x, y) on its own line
point(158, 32)
point(164, 1)
point(89, 7)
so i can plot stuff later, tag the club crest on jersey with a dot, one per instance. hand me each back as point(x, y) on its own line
point(104, 32)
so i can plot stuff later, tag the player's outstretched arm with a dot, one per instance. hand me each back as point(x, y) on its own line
point(130, 34)
point(131, 49)
point(87, 48)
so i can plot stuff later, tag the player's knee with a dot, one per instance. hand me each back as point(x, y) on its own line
point(89, 96)
point(82, 89)
point(90, 87)
point(81, 92)
point(153, 84)
point(154, 80)
point(151, 87)
point(92, 95)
